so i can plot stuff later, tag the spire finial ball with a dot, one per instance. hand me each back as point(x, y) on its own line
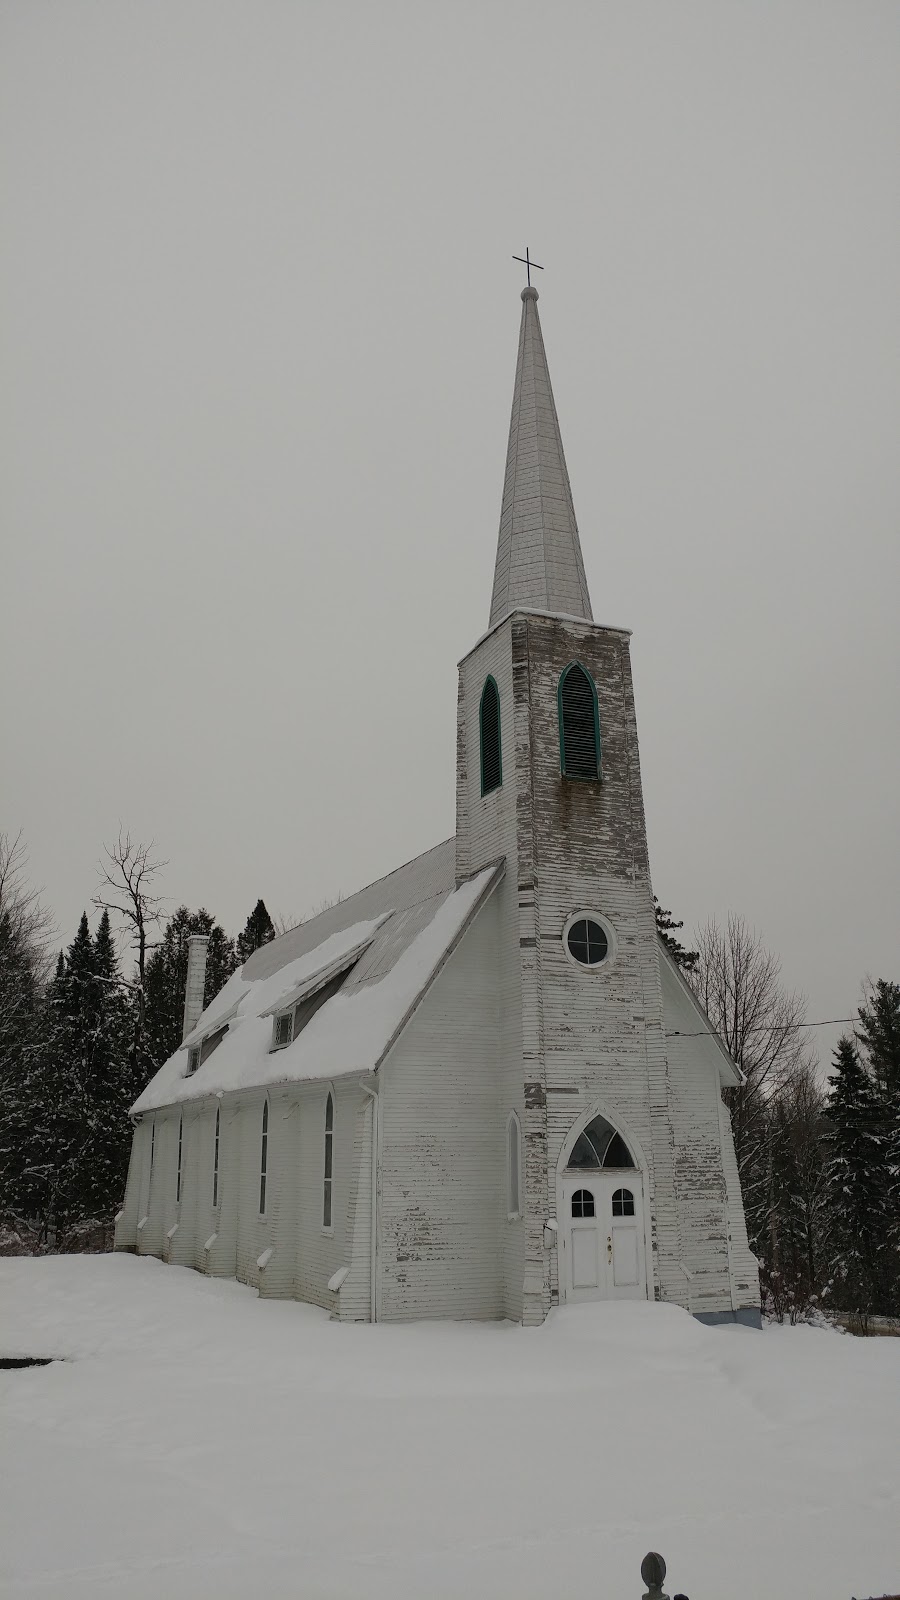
point(529, 294)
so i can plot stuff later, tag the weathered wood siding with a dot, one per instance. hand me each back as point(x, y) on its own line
point(442, 1147)
point(585, 1041)
point(487, 829)
point(304, 1256)
point(713, 1228)
point(130, 1214)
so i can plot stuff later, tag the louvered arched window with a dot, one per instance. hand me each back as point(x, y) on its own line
point(579, 724)
point(489, 718)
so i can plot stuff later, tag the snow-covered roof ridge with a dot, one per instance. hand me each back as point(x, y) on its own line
point(396, 952)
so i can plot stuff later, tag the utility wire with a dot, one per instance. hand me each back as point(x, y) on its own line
point(763, 1027)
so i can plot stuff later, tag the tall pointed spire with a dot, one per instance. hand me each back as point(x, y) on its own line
point(539, 563)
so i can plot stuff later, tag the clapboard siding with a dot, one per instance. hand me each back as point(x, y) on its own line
point(584, 1041)
point(303, 1255)
point(487, 830)
point(442, 1144)
point(714, 1233)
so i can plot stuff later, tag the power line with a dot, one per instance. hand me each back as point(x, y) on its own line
point(763, 1027)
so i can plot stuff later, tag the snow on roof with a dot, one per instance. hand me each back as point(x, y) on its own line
point(415, 917)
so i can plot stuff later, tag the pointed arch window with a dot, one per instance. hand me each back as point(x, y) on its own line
point(513, 1167)
point(180, 1145)
point(489, 724)
point(264, 1160)
point(216, 1162)
point(579, 724)
point(329, 1156)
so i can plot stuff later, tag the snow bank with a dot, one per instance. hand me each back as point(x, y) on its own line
point(199, 1442)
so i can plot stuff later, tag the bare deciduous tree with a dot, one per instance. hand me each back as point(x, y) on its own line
point(28, 922)
point(126, 888)
point(738, 981)
point(26, 934)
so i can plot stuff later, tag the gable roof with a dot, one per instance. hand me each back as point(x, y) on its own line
point(393, 937)
point(729, 1071)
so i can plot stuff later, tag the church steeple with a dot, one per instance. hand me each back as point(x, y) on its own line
point(539, 563)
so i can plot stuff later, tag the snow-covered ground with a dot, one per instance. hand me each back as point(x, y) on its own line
point(200, 1442)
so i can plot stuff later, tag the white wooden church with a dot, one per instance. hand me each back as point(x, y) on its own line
point(479, 1087)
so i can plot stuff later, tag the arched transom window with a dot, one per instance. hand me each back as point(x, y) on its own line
point(599, 1145)
point(491, 764)
point(579, 724)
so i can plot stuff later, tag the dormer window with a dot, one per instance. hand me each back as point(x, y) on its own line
point(283, 1032)
point(199, 1053)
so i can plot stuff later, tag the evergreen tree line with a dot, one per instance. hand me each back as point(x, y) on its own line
point(77, 1046)
point(819, 1163)
point(826, 1217)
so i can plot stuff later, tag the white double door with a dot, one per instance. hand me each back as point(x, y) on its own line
point(602, 1229)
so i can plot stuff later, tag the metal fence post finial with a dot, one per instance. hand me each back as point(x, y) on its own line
point(653, 1572)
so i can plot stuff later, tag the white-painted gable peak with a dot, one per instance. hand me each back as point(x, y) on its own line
point(415, 917)
point(539, 561)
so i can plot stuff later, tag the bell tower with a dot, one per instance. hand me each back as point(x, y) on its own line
point(579, 987)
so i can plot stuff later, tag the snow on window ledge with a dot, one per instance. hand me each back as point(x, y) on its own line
point(210, 1242)
point(263, 1261)
point(334, 1283)
point(172, 1231)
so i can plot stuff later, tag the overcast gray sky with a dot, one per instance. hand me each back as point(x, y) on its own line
point(259, 325)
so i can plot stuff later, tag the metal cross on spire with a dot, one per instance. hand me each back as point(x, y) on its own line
point(528, 264)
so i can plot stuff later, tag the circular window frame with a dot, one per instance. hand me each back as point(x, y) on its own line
point(612, 943)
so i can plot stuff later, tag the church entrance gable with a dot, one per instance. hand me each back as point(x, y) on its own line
point(601, 1225)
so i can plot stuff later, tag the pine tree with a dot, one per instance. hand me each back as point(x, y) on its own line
point(113, 1086)
point(259, 929)
point(666, 927)
point(68, 1166)
point(879, 1035)
point(167, 976)
point(857, 1160)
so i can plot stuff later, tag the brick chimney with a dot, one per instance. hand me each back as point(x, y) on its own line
point(196, 978)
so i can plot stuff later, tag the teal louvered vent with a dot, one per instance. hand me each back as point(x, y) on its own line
point(489, 716)
point(579, 724)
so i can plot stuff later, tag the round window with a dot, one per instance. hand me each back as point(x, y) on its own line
point(587, 942)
